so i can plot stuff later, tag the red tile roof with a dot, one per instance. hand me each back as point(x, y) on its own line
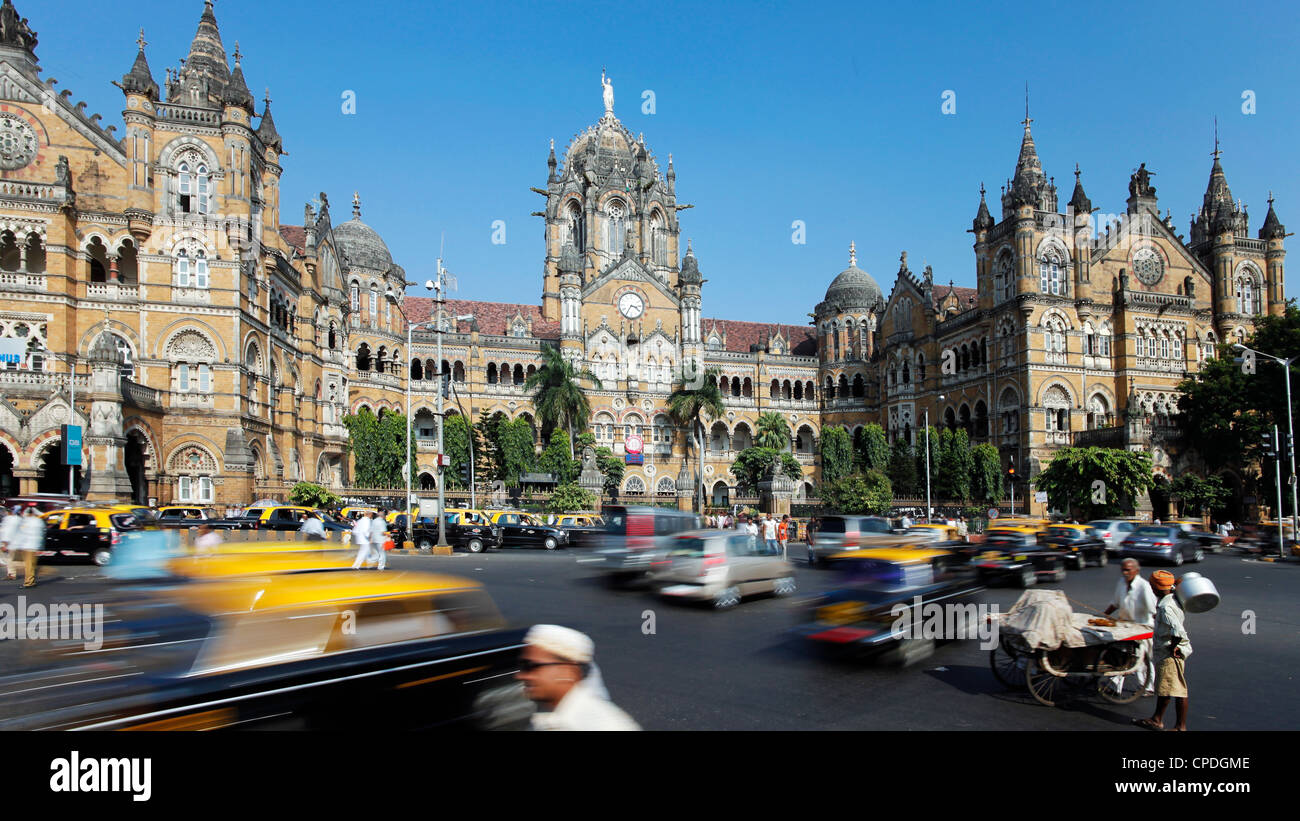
point(741, 335)
point(295, 235)
point(493, 317)
point(964, 296)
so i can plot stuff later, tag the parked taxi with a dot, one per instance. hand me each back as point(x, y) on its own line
point(88, 531)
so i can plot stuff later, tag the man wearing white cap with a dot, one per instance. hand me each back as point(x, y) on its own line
point(560, 676)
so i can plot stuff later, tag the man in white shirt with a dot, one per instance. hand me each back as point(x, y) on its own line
point(1172, 648)
point(8, 534)
point(379, 535)
point(361, 538)
point(560, 676)
point(907, 521)
point(769, 534)
point(1134, 601)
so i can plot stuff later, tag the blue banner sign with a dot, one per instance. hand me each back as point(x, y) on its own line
point(70, 444)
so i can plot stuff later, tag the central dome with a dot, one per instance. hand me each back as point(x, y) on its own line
point(854, 287)
point(361, 244)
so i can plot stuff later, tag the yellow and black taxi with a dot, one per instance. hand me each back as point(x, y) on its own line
point(463, 530)
point(268, 648)
point(279, 517)
point(1080, 545)
point(89, 531)
point(354, 512)
point(1037, 525)
point(879, 592)
point(1014, 555)
point(519, 529)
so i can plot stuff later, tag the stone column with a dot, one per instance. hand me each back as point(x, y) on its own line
point(106, 440)
point(27, 480)
point(685, 488)
point(113, 275)
point(776, 490)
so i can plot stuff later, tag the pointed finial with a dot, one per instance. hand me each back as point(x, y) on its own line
point(237, 54)
point(1270, 198)
point(1076, 172)
point(902, 261)
point(981, 190)
point(853, 254)
point(689, 252)
point(552, 143)
point(1216, 139)
point(1026, 121)
point(267, 98)
point(356, 204)
point(141, 41)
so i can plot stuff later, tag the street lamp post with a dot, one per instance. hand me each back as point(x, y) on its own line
point(1290, 429)
point(407, 467)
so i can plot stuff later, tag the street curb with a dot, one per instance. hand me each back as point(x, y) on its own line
point(397, 552)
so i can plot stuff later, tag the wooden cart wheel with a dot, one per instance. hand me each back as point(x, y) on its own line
point(1128, 691)
point(1008, 666)
point(1046, 688)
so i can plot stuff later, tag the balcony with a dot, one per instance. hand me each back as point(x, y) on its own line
point(114, 291)
point(141, 396)
point(386, 380)
point(34, 191)
point(1112, 437)
point(19, 281)
point(186, 114)
point(37, 383)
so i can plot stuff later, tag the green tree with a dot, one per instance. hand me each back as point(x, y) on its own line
point(515, 446)
point(955, 465)
point(868, 492)
point(1070, 480)
point(902, 468)
point(837, 453)
point(556, 460)
point(1198, 495)
point(612, 468)
point(456, 444)
point(376, 446)
point(986, 474)
point(772, 431)
point(570, 497)
point(936, 447)
point(557, 395)
point(313, 495)
point(752, 464)
point(871, 448)
point(688, 404)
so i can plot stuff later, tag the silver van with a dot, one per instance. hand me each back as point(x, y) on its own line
point(721, 567)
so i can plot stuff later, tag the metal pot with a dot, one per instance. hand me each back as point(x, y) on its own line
point(1198, 593)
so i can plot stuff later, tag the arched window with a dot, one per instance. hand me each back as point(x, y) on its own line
point(616, 225)
point(363, 357)
point(374, 304)
point(1098, 412)
point(658, 239)
point(576, 233)
point(1248, 291)
point(1003, 277)
point(1051, 273)
point(635, 485)
point(193, 187)
point(1057, 403)
point(354, 296)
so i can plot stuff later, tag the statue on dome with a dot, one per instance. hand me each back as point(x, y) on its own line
point(608, 85)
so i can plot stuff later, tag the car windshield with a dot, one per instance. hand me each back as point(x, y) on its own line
point(1066, 533)
point(876, 526)
point(831, 525)
point(687, 547)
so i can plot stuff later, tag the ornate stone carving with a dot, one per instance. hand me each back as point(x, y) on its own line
point(18, 142)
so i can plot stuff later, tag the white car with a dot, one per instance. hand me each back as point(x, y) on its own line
point(1114, 531)
point(721, 567)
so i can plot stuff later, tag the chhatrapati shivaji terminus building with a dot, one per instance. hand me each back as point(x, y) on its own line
point(214, 350)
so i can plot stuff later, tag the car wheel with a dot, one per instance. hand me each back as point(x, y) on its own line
point(1028, 578)
point(425, 545)
point(1199, 555)
point(1178, 557)
point(1102, 559)
point(1059, 575)
point(475, 545)
point(102, 557)
point(784, 586)
point(550, 543)
point(727, 598)
point(908, 652)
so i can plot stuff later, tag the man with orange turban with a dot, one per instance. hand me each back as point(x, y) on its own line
point(1172, 648)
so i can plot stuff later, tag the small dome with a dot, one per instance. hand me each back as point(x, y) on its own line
point(361, 244)
point(854, 287)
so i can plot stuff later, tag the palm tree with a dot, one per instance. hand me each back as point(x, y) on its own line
point(557, 396)
point(773, 432)
point(687, 405)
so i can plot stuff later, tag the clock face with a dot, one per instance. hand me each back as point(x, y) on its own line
point(631, 306)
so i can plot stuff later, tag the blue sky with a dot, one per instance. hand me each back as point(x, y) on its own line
point(774, 112)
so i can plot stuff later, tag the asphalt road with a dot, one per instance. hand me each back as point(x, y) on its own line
point(742, 669)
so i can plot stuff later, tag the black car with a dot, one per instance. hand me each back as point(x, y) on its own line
point(1013, 555)
point(1167, 543)
point(1079, 544)
point(634, 539)
point(522, 530)
point(472, 536)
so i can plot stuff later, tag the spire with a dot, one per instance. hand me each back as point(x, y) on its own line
point(1029, 177)
point(237, 93)
point(1079, 201)
point(266, 128)
point(550, 162)
point(139, 80)
point(207, 57)
point(853, 254)
point(690, 274)
point(14, 31)
point(983, 219)
point(356, 205)
point(1273, 227)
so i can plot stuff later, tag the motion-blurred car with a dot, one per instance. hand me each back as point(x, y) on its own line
point(41, 501)
point(354, 512)
point(525, 530)
point(1014, 555)
point(721, 567)
point(329, 649)
point(1166, 543)
point(859, 614)
point(838, 533)
point(634, 538)
point(1210, 542)
point(1114, 531)
point(185, 515)
point(88, 532)
point(1080, 545)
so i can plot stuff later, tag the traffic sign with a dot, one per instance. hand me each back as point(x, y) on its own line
point(993, 513)
point(634, 444)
